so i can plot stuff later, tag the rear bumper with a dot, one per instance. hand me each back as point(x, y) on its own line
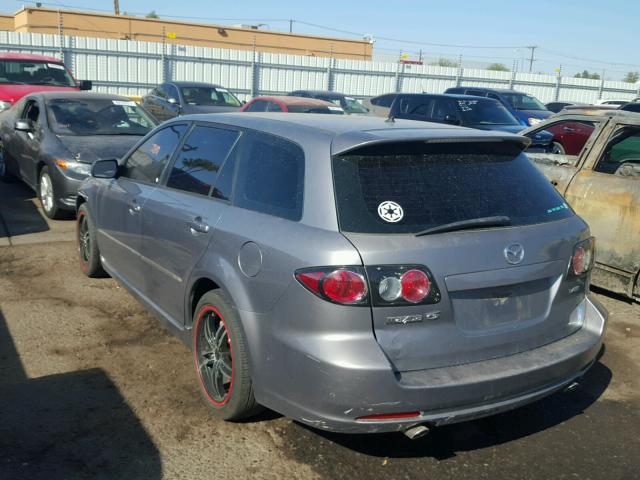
point(333, 396)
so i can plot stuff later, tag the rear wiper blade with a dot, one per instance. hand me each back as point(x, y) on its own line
point(483, 222)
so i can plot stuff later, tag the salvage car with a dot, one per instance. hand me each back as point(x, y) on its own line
point(49, 140)
point(24, 73)
point(285, 103)
point(349, 104)
point(462, 110)
point(526, 108)
point(173, 99)
point(601, 182)
point(315, 266)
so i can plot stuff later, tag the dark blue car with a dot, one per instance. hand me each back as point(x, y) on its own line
point(462, 110)
point(526, 108)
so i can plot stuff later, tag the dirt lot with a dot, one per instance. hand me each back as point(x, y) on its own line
point(91, 387)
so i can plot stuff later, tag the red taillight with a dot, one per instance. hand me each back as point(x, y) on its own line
point(582, 259)
point(390, 416)
point(415, 285)
point(344, 286)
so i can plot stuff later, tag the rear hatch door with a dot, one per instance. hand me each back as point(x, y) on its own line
point(490, 304)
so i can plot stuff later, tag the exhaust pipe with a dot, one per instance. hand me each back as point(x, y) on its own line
point(416, 432)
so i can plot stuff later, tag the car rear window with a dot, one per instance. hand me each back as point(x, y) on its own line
point(412, 186)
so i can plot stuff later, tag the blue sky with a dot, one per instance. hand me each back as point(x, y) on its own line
point(584, 34)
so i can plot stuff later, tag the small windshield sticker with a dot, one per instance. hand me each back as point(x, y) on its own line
point(124, 103)
point(564, 206)
point(55, 65)
point(390, 212)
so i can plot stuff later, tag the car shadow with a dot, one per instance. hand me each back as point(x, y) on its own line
point(613, 295)
point(447, 441)
point(67, 426)
point(18, 213)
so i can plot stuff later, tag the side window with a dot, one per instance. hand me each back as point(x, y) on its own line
point(172, 92)
point(147, 162)
point(622, 154)
point(270, 176)
point(416, 106)
point(31, 111)
point(257, 106)
point(223, 188)
point(161, 91)
point(444, 109)
point(383, 101)
point(200, 159)
point(570, 136)
point(494, 96)
point(273, 107)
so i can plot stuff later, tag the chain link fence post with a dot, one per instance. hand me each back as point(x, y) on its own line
point(330, 67)
point(460, 72)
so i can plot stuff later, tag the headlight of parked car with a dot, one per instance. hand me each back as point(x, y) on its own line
point(4, 106)
point(533, 121)
point(78, 168)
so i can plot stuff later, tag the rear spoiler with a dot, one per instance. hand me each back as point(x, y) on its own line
point(346, 143)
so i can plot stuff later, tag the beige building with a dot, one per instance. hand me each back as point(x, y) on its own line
point(122, 27)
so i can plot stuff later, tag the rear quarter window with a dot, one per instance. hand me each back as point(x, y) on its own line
point(436, 184)
point(270, 177)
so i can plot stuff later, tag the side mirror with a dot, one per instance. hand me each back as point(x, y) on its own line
point(630, 168)
point(105, 168)
point(452, 120)
point(85, 84)
point(23, 125)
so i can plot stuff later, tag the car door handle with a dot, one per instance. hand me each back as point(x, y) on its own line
point(197, 226)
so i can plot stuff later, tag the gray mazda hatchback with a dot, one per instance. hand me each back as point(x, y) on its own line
point(354, 273)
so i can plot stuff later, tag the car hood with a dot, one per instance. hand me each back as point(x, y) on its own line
point(14, 92)
point(542, 114)
point(207, 109)
point(499, 128)
point(89, 148)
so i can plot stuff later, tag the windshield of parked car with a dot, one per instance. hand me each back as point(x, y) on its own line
point(485, 112)
point(329, 109)
point(353, 106)
point(24, 72)
point(209, 96)
point(91, 116)
point(410, 187)
point(522, 101)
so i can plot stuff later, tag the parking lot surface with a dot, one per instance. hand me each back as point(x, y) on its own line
point(92, 387)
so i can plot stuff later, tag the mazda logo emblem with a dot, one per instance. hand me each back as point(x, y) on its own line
point(514, 253)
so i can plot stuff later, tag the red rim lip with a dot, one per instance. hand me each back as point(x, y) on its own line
point(84, 265)
point(206, 309)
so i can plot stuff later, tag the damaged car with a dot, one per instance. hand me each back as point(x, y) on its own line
point(596, 167)
point(356, 274)
point(49, 140)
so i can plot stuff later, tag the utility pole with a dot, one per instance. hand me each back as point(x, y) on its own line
point(290, 26)
point(531, 59)
point(116, 7)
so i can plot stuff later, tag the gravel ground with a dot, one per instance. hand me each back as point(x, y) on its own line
point(92, 387)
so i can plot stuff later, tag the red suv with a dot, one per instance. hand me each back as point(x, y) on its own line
point(22, 74)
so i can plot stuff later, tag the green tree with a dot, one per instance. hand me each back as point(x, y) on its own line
point(498, 67)
point(445, 62)
point(152, 14)
point(587, 74)
point(631, 77)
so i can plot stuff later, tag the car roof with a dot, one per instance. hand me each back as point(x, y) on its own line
point(195, 84)
point(49, 95)
point(28, 56)
point(347, 132)
point(290, 100)
point(486, 89)
point(459, 96)
point(324, 93)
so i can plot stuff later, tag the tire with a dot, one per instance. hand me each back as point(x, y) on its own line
point(88, 250)
point(5, 176)
point(221, 360)
point(557, 149)
point(47, 195)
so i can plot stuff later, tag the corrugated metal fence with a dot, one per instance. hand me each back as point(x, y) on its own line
point(130, 67)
